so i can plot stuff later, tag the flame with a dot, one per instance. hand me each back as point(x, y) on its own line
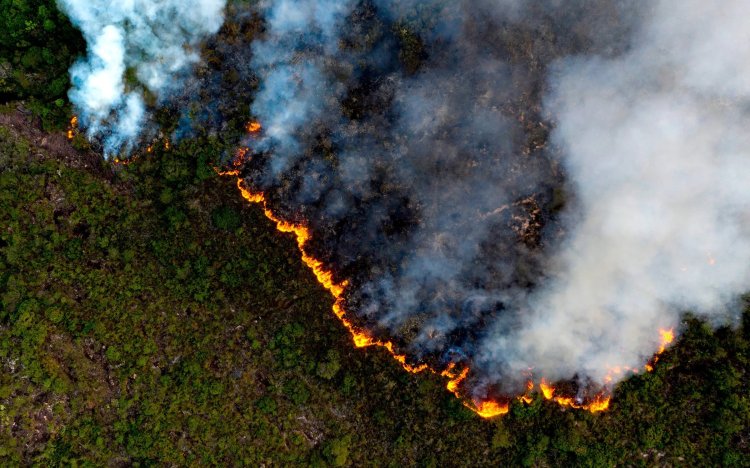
point(454, 380)
point(547, 390)
point(240, 157)
point(73, 127)
point(253, 126)
point(484, 408)
point(489, 408)
point(326, 279)
point(599, 403)
point(526, 397)
point(667, 337)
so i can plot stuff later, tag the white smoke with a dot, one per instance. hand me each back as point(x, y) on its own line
point(657, 146)
point(294, 90)
point(135, 47)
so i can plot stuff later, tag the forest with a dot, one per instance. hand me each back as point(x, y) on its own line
point(150, 316)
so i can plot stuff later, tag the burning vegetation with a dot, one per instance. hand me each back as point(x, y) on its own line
point(485, 408)
point(361, 339)
point(466, 214)
point(486, 191)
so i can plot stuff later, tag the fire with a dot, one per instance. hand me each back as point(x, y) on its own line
point(124, 162)
point(239, 159)
point(73, 127)
point(454, 380)
point(526, 397)
point(599, 403)
point(325, 278)
point(547, 390)
point(667, 337)
point(485, 408)
point(489, 408)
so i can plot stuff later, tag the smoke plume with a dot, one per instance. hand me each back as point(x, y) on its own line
point(140, 51)
point(525, 187)
point(656, 148)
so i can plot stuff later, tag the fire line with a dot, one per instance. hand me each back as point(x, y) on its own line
point(361, 339)
point(487, 408)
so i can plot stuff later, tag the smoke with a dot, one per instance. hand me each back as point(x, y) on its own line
point(294, 90)
point(439, 199)
point(656, 147)
point(521, 186)
point(140, 51)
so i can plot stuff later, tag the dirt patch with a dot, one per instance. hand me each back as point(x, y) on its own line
point(56, 145)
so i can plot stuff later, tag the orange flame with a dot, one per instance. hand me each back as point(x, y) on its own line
point(489, 408)
point(239, 159)
point(73, 127)
point(484, 408)
point(547, 390)
point(667, 337)
point(325, 278)
point(526, 397)
point(599, 403)
point(454, 380)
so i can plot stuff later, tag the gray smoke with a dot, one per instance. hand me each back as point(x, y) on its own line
point(294, 90)
point(656, 146)
point(139, 51)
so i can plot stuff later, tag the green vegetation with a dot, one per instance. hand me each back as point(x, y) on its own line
point(37, 46)
point(150, 316)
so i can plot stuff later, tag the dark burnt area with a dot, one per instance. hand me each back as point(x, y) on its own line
point(372, 238)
